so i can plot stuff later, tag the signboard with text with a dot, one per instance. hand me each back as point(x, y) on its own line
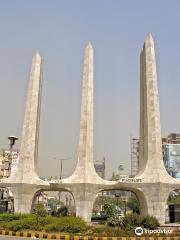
point(172, 156)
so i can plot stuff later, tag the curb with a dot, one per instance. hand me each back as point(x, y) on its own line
point(68, 237)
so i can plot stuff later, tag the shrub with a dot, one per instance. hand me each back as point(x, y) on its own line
point(49, 224)
point(150, 222)
point(39, 207)
point(66, 224)
point(53, 213)
point(133, 220)
point(109, 208)
point(62, 212)
point(112, 221)
point(29, 224)
point(23, 224)
point(8, 217)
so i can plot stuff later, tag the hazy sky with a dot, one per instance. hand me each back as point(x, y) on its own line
point(60, 31)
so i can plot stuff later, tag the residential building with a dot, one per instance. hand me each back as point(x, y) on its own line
point(43, 198)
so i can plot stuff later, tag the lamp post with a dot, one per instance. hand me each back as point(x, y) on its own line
point(118, 195)
point(8, 164)
point(59, 194)
point(38, 210)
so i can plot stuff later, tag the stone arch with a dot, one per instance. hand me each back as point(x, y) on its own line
point(172, 199)
point(136, 193)
point(50, 190)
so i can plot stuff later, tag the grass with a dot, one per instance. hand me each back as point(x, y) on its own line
point(74, 226)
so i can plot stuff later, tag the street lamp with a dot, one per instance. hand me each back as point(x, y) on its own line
point(8, 164)
point(12, 142)
point(38, 195)
point(59, 194)
point(118, 195)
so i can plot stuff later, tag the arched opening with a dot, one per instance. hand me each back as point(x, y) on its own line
point(172, 212)
point(123, 202)
point(52, 201)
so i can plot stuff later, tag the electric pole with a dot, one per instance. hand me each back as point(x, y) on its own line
point(103, 176)
point(63, 159)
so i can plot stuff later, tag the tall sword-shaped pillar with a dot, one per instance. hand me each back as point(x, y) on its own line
point(150, 126)
point(85, 158)
point(85, 178)
point(27, 166)
point(26, 181)
point(151, 166)
point(86, 123)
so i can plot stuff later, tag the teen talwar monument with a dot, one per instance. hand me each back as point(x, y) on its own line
point(152, 184)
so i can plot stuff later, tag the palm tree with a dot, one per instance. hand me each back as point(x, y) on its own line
point(113, 176)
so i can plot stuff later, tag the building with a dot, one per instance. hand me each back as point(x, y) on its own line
point(43, 199)
point(8, 167)
point(100, 168)
point(134, 156)
point(173, 138)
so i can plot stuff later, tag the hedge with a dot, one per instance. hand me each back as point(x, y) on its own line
point(19, 222)
point(133, 220)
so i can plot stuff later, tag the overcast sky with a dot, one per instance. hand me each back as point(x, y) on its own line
point(60, 31)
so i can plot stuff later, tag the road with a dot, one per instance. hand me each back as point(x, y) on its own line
point(3, 237)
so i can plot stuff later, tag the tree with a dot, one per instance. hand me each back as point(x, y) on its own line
point(39, 208)
point(53, 204)
point(133, 204)
point(173, 199)
point(113, 176)
point(114, 201)
point(62, 212)
point(109, 208)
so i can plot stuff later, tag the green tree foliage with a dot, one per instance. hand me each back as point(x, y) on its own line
point(173, 199)
point(133, 204)
point(62, 212)
point(133, 220)
point(111, 212)
point(53, 204)
point(49, 224)
point(109, 208)
point(114, 201)
point(113, 176)
point(39, 209)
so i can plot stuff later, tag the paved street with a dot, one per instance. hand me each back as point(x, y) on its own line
point(3, 237)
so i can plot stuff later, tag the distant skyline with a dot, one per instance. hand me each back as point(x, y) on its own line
point(60, 31)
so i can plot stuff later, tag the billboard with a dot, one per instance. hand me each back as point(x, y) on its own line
point(15, 160)
point(172, 159)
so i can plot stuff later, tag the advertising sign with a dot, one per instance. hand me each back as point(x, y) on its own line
point(172, 159)
point(58, 206)
point(15, 160)
point(121, 169)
